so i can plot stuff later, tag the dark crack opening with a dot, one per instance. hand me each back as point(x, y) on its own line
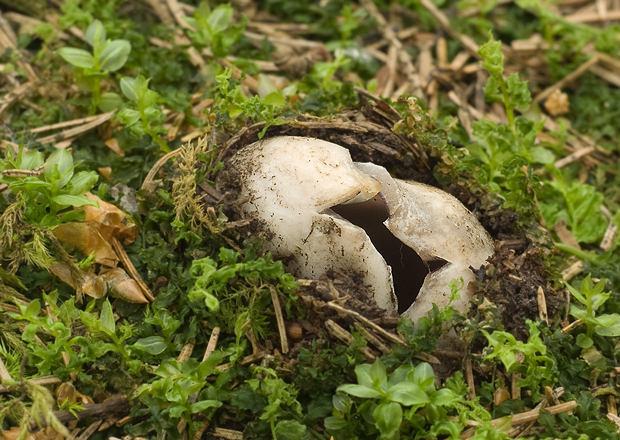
point(408, 269)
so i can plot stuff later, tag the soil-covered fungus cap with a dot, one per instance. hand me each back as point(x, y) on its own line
point(322, 211)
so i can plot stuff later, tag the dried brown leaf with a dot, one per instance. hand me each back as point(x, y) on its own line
point(122, 286)
point(87, 238)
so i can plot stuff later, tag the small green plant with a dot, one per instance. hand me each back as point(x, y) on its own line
point(232, 101)
point(499, 143)
point(577, 203)
point(51, 189)
point(527, 358)
point(169, 397)
point(282, 411)
point(396, 403)
point(592, 297)
point(90, 68)
point(214, 28)
point(146, 117)
point(239, 287)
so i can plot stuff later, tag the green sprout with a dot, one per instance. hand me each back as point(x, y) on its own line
point(592, 297)
point(146, 117)
point(49, 190)
point(90, 68)
point(214, 28)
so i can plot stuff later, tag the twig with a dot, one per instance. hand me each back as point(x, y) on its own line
point(569, 273)
point(177, 13)
point(4, 373)
point(515, 390)
point(186, 351)
point(245, 361)
point(611, 405)
point(275, 299)
point(215, 335)
point(469, 376)
point(403, 56)
point(149, 179)
point(92, 428)
point(339, 333)
point(285, 41)
point(528, 416)
point(374, 340)
point(43, 381)
point(606, 75)
point(592, 17)
point(567, 79)
point(614, 418)
point(227, 434)
point(13, 96)
point(114, 405)
point(609, 238)
point(122, 255)
point(572, 325)
point(469, 44)
point(578, 154)
point(542, 305)
point(76, 131)
point(65, 124)
point(391, 337)
point(200, 431)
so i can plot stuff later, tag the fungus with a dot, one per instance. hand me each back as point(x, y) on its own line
point(322, 211)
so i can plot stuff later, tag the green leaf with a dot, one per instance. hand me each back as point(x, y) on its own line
point(389, 417)
point(110, 101)
point(127, 86)
point(114, 55)
point(203, 11)
point(335, 423)
point(424, 377)
point(290, 430)
point(444, 397)
point(583, 341)
point(95, 34)
point(400, 375)
point(220, 18)
point(519, 94)
point(204, 404)
point(608, 325)
point(362, 372)
point(81, 183)
point(31, 160)
point(359, 391)
point(493, 57)
point(577, 294)
point(32, 310)
point(408, 394)
point(107, 317)
point(598, 299)
point(542, 155)
point(62, 161)
point(341, 403)
point(128, 117)
point(69, 200)
point(77, 57)
point(28, 184)
point(378, 374)
point(153, 345)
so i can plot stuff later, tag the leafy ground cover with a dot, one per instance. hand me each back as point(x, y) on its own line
point(137, 302)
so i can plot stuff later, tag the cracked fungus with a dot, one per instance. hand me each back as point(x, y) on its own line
point(322, 211)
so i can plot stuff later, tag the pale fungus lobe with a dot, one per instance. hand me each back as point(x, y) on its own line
point(321, 211)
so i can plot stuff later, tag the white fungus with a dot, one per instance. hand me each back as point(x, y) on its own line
point(322, 211)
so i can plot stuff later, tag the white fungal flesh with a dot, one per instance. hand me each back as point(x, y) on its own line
point(291, 184)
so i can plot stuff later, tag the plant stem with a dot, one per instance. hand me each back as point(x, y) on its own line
point(587, 256)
